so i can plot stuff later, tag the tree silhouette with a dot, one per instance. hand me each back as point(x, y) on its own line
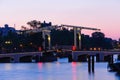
point(34, 24)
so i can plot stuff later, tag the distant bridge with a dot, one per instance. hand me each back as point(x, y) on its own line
point(17, 57)
point(75, 55)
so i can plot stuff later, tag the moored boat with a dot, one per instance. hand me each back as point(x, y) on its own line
point(114, 66)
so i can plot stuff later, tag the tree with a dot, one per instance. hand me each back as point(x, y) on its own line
point(62, 37)
point(86, 42)
point(34, 24)
point(99, 40)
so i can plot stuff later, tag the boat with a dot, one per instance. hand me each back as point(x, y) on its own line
point(114, 66)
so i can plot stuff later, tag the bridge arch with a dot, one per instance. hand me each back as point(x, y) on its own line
point(29, 58)
point(6, 59)
point(82, 58)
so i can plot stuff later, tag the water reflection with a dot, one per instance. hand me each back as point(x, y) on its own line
point(55, 71)
point(74, 74)
point(8, 66)
point(117, 76)
point(40, 65)
point(91, 76)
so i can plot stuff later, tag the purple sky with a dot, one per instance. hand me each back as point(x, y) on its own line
point(103, 14)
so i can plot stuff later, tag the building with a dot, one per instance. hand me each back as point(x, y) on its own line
point(6, 29)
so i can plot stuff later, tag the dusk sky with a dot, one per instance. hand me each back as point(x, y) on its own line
point(103, 14)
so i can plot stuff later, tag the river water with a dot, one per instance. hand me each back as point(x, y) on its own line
point(60, 70)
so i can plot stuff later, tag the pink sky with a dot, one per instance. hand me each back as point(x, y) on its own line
point(103, 14)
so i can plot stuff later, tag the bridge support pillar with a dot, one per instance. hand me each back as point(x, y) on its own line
point(97, 57)
point(74, 57)
point(16, 59)
point(101, 57)
point(70, 58)
point(118, 57)
point(110, 59)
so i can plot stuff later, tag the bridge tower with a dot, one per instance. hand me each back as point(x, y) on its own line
point(77, 30)
point(45, 31)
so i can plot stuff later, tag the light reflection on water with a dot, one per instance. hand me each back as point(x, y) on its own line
point(61, 70)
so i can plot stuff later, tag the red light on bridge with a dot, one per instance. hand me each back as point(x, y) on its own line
point(40, 49)
point(74, 48)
